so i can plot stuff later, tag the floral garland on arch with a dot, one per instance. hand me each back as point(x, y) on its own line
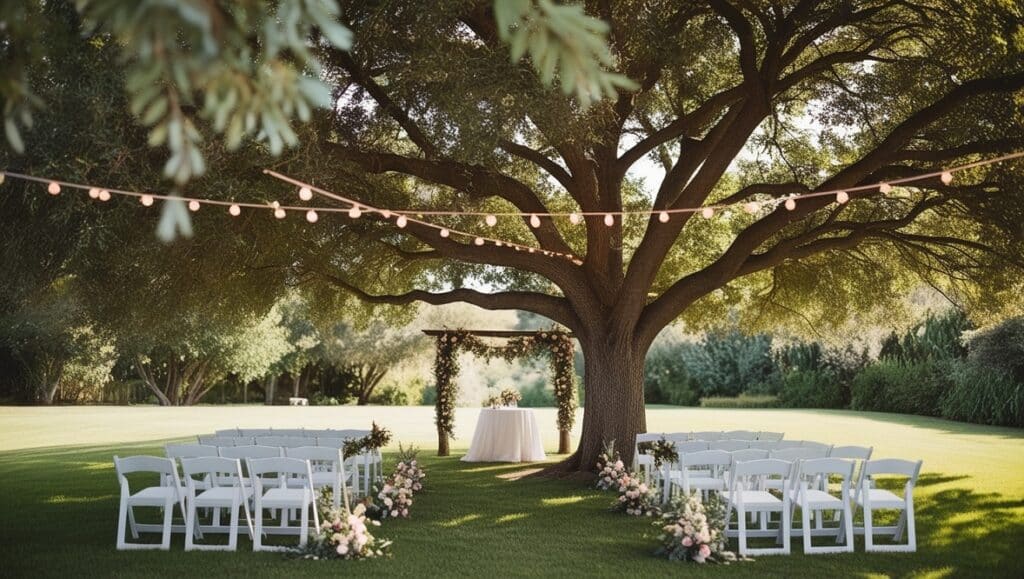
point(555, 344)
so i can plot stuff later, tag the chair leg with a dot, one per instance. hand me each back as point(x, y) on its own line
point(911, 527)
point(233, 536)
point(190, 525)
point(165, 545)
point(741, 518)
point(304, 531)
point(897, 535)
point(786, 529)
point(847, 517)
point(122, 519)
point(805, 518)
point(257, 537)
point(869, 530)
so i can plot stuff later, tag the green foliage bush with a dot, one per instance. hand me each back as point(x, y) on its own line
point(812, 389)
point(984, 396)
point(666, 378)
point(893, 386)
point(938, 337)
point(390, 395)
point(1000, 348)
point(741, 401)
point(727, 363)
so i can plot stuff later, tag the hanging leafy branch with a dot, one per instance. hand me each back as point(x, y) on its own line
point(562, 38)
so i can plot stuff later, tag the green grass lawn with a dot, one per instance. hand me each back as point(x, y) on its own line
point(59, 499)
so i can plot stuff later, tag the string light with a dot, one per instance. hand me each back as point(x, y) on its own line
point(752, 207)
point(790, 204)
point(707, 212)
point(497, 243)
point(575, 218)
point(279, 213)
point(146, 200)
point(663, 217)
point(884, 188)
point(94, 193)
point(946, 177)
point(401, 221)
point(104, 195)
point(478, 241)
point(311, 216)
point(535, 221)
point(491, 220)
point(445, 232)
point(609, 220)
point(305, 193)
point(193, 206)
point(235, 210)
point(842, 197)
point(354, 212)
point(53, 188)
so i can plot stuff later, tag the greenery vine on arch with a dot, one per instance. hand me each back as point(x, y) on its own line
point(555, 344)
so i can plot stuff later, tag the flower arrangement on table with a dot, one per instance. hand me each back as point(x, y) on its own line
point(510, 397)
point(610, 468)
point(694, 530)
point(344, 533)
point(635, 497)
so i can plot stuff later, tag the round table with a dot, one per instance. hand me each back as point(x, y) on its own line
point(506, 435)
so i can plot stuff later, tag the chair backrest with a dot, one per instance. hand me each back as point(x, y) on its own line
point(677, 437)
point(828, 466)
point(706, 435)
point(854, 452)
point(691, 446)
point(254, 432)
point(300, 432)
point(705, 458)
point(739, 435)
point(142, 463)
point(792, 454)
point(789, 444)
point(764, 444)
point(765, 435)
point(253, 451)
point(285, 441)
point(748, 454)
point(216, 440)
point(243, 440)
point(314, 454)
point(189, 450)
point(349, 433)
point(279, 465)
point(819, 445)
point(330, 442)
point(762, 467)
point(728, 445)
point(227, 432)
point(649, 437)
point(893, 466)
point(210, 468)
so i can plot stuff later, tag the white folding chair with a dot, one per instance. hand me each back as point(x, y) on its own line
point(748, 454)
point(244, 453)
point(179, 451)
point(327, 466)
point(706, 435)
point(826, 448)
point(227, 432)
point(701, 470)
point(330, 442)
point(872, 499)
point(793, 455)
point(290, 432)
point(764, 444)
point(739, 435)
point(789, 443)
point(232, 497)
point(772, 436)
point(165, 497)
point(282, 498)
point(817, 500)
point(285, 441)
point(254, 432)
point(856, 453)
point(728, 445)
point(745, 497)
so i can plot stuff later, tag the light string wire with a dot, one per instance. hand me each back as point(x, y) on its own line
point(355, 208)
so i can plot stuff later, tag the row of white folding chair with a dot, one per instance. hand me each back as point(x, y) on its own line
point(645, 461)
point(746, 494)
point(299, 432)
point(216, 482)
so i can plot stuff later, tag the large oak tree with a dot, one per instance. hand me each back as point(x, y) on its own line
point(737, 101)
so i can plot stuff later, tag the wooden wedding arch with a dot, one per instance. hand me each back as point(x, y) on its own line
point(556, 344)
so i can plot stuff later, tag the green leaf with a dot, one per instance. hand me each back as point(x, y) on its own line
point(13, 136)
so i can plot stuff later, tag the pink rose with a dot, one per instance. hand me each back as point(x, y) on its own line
point(687, 541)
point(705, 551)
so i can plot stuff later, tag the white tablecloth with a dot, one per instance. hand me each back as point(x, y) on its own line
point(505, 435)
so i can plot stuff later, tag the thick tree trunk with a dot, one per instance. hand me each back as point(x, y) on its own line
point(564, 442)
point(614, 400)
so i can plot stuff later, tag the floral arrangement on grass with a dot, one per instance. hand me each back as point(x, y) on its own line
point(408, 467)
point(610, 468)
point(396, 497)
point(379, 437)
point(694, 530)
point(344, 533)
point(635, 497)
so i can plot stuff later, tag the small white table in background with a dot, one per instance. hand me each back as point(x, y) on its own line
point(506, 435)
